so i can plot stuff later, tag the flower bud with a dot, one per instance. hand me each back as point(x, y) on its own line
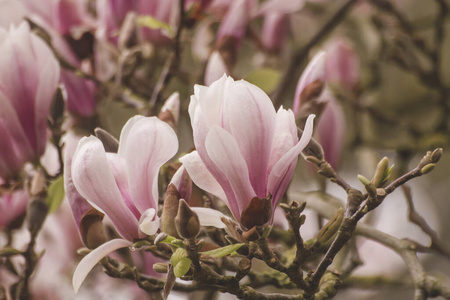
point(381, 173)
point(257, 213)
point(36, 214)
point(186, 221)
point(170, 111)
point(110, 143)
point(331, 228)
point(170, 210)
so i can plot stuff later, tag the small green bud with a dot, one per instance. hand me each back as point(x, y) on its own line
point(369, 186)
point(436, 155)
point(381, 172)
point(331, 228)
point(363, 180)
point(161, 268)
point(427, 169)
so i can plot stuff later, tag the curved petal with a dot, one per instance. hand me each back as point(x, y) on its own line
point(125, 132)
point(93, 178)
point(150, 143)
point(223, 151)
point(209, 217)
point(201, 176)
point(149, 222)
point(282, 172)
point(315, 70)
point(248, 114)
point(215, 68)
point(285, 136)
point(90, 260)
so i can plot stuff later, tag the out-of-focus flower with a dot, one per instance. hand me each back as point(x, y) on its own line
point(12, 205)
point(215, 68)
point(276, 22)
point(124, 185)
point(311, 83)
point(330, 130)
point(62, 15)
point(245, 149)
point(164, 11)
point(11, 12)
point(26, 92)
point(342, 64)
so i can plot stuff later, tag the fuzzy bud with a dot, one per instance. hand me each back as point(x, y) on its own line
point(257, 213)
point(186, 221)
point(170, 210)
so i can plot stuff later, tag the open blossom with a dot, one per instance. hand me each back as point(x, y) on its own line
point(26, 92)
point(124, 185)
point(245, 149)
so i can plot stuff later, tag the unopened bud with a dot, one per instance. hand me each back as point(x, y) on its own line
point(244, 267)
point(186, 221)
point(257, 213)
point(436, 155)
point(110, 143)
point(36, 214)
point(313, 149)
point(91, 229)
point(161, 268)
point(170, 210)
point(170, 111)
point(368, 185)
point(332, 227)
point(326, 170)
point(381, 173)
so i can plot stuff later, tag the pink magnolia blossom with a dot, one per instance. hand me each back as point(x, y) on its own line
point(124, 185)
point(342, 64)
point(276, 22)
point(313, 73)
point(330, 130)
point(26, 92)
point(12, 205)
point(245, 149)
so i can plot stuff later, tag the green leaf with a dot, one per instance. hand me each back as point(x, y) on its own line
point(182, 267)
point(267, 79)
point(152, 23)
point(55, 194)
point(180, 262)
point(224, 251)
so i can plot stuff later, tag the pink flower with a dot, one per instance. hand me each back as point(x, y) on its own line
point(330, 130)
point(124, 185)
point(26, 92)
point(12, 205)
point(342, 64)
point(245, 149)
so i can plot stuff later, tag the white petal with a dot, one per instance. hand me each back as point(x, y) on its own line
point(90, 260)
point(149, 222)
point(125, 132)
point(209, 217)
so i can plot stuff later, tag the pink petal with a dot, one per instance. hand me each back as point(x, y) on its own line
point(281, 173)
point(90, 260)
point(223, 150)
point(315, 70)
point(250, 117)
point(123, 141)
point(215, 68)
point(201, 176)
point(183, 183)
point(93, 178)
point(285, 136)
point(150, 144)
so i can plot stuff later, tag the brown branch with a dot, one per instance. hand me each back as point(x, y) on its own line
point(299, 57)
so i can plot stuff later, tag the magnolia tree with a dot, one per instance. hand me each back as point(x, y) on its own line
point(224, 149)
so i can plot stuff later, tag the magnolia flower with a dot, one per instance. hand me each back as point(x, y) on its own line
point(12, 206)
point(123, 185)
point(26, 92)
point(311, 83)
point(276, 22)
point(245, 149)
point(342, 64)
